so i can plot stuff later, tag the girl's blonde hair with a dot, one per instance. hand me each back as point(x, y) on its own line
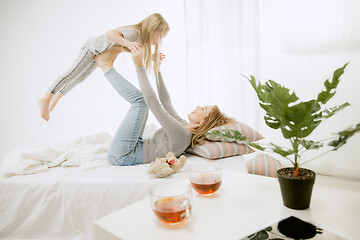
point(214, 119)
point(154, 22)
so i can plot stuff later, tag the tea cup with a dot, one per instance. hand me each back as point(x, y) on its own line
point(171, 201)
point(205, 179)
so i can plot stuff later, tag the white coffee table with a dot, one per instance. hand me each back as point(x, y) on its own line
point(243, 205)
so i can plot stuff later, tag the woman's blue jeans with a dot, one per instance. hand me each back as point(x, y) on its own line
point(127, 146)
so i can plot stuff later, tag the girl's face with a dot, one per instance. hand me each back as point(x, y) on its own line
point(156, 36)
point(199, 115)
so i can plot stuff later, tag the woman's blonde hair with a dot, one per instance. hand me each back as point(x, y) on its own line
point(154, 22)
point(214, 119)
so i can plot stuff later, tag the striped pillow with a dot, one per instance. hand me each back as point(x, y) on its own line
point(215, 150)
point(250, 133)
point(263, 164)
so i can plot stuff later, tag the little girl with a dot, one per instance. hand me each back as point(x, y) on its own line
point(146, 33)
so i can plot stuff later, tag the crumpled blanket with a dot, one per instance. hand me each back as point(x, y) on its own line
point(87, 152)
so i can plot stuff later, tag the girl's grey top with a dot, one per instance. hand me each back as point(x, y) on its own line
point(173, 136)
point(101, 43)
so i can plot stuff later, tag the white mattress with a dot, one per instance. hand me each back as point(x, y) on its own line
point(63, 203)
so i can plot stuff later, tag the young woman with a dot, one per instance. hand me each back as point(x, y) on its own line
point(148, 32)
point(128, 147)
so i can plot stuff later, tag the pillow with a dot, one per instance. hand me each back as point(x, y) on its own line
point(263, 164)
point(215, 150)
point(250, 133)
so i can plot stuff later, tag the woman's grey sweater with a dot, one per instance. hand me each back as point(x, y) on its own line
point(173, 136)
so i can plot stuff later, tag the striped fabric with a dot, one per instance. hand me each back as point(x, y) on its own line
point(250, 133)
point(263, 164)
point(215, 150)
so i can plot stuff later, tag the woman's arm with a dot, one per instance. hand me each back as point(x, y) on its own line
point(165, 100)
point(172, 126)
point(174, 129)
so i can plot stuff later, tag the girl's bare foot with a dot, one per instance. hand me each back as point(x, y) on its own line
point(44, 109)
point(44, 105)
point(54, 100)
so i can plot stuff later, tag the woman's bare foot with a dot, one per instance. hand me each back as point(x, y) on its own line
point(44, 105)
point(105, 60)
point(54, 100)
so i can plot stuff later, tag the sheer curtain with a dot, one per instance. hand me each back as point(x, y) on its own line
point(218, 53)
point(296, 43)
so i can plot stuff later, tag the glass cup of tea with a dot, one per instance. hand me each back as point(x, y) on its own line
point(205, 179)
point(171, 201)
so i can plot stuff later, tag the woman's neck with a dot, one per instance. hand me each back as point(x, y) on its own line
point(190, 126)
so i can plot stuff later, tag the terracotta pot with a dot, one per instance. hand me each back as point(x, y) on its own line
point(296, 191)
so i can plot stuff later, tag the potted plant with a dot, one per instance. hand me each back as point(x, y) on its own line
point(296, 120)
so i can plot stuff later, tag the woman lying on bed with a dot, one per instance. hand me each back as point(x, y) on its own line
point(128, 147)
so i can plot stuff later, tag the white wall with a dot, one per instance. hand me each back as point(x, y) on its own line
point(40, 39)
point(301, 44)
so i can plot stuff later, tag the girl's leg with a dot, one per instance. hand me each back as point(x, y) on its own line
point(126, 147)
point(67, 87)
point(81, 63)
point(114, 51)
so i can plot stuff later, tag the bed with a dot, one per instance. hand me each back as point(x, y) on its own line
point(63, 202)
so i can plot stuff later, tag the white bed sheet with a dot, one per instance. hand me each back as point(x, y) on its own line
point(63, 203)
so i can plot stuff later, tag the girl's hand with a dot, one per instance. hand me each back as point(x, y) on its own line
point(134, 46)
point(137, 56)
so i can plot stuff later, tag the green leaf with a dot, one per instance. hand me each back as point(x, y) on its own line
point(233, 136)
point(279, 150)
point(238, 136)
point(344, 136)
point(331, 111)
point(227, 136)
point(330, 91)
point(294, 120)
point(309, 144)
point(256, 146)
point(301, 119)
point(261, 235)
point(272, 122)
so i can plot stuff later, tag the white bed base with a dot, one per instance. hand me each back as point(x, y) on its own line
point(63, 203)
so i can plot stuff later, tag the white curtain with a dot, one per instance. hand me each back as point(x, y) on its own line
point(218, 54)
point(296, 43)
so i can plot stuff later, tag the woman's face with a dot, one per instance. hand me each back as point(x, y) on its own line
point(156, 36)
point(199, 115)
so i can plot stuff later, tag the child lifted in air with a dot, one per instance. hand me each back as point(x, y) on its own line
point(146, 33)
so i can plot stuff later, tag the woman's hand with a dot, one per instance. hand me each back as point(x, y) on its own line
point(137, 56)
point(162, 57)
point(134, 46)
